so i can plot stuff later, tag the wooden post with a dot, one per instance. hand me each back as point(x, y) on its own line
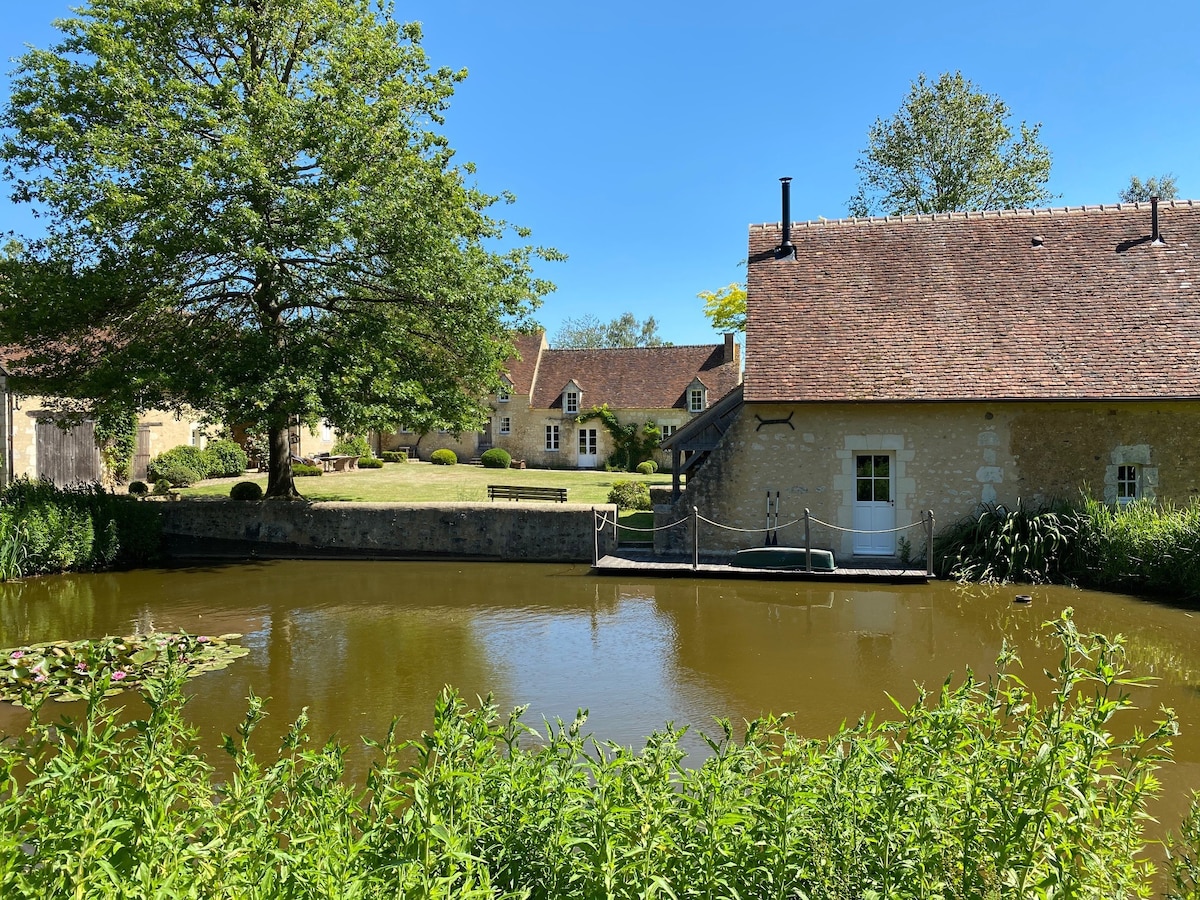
point(695, 538)
point(929, 542)
point(807, 543)
point(595, 539)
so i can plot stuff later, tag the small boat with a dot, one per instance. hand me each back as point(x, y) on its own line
point(783, 558)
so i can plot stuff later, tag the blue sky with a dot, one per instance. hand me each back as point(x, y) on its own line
point(642, 138)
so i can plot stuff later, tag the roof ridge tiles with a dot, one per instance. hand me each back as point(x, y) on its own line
point(912, 218)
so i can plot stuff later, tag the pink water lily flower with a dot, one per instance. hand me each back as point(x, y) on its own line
point(41, 678)
point(16, 654)
point(81, 668)
point(119, 675)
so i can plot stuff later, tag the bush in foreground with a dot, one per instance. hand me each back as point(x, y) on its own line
point(246, 491)
point(443, 457)
point(977, 790)
point(225, 459)
point(180, 466)
point(395, 456)
point(370, 462)
point(630, 495)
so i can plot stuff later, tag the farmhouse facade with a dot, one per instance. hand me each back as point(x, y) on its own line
point(536, 417)
point(942, 362)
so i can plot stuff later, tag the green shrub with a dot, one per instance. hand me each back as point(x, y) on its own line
point(647, 467)
point(351, 445)
point(226, 459)
point(395, 456)
point(630, 495)
point(370, 462)
point(303, 471)
point(246, 491)
point(162, 487)
point(138, 488)
point(496, 458)
point(181, 466)
point(443, 457)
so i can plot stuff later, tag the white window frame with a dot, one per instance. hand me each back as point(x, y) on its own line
point(667, 430)
point(326, 431)
point(505, 426)
point(552, 437)
point(1128, 484)
point(571, 402)
point(696, 399)
point(502, 396)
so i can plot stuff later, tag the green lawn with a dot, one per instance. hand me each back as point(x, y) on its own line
point(422, 482)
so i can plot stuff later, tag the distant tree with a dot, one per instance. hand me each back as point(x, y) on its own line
point(588, 332)
point(950, 148)
point(1162, 187)
point(250, 212)
point(726, 307)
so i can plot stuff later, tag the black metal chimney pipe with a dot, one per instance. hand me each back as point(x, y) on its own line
point(785, 248)
point(1155, 238)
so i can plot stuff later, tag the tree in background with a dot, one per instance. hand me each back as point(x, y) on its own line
point(250, 212)
point(1162, 187)
point(588, 333)
point(726, 307)
point(950, 148)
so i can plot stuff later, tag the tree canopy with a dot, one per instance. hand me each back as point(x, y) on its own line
point(1162, 187)
point(250, 212)
point(588, 332)
point(949, 147)
point(726, 307)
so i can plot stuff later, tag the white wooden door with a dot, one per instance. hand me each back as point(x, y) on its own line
point(874, 504)
point(588, 457)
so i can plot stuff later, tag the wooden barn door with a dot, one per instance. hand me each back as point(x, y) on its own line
point(67, 456)
point(141, 456)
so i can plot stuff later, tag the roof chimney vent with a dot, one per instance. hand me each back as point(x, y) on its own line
point(786, 250)
point(1155, 237)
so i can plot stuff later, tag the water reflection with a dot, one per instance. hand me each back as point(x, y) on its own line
point(359, 643)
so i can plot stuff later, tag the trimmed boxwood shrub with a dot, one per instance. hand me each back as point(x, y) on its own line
point(162, 487)
point(444, 457)
point(351, 445)
point(393, 456)
point(226, 459)
point(496, 458)
point(649, 467)
point(303, 471)
point(246, 490)
point(630, 495)
point(179, 466)
point(138, 488)
point(370, 462)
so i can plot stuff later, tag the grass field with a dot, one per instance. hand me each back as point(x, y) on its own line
point(421, 482)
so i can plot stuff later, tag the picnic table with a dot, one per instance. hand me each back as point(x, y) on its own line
point(338, 463)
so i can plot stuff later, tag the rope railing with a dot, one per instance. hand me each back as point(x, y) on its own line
point(749, 530)
point(817, 521)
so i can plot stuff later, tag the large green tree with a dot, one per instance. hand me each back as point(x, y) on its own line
point(950, 147)
point(250, 211)
point(726, 307)
point(588, 332)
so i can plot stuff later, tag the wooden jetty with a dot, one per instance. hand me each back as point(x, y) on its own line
point(654, 567)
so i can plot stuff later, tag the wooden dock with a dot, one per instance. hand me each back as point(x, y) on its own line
point(653, 567)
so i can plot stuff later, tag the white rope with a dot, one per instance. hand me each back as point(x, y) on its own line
point(746, 530)
point(659, 528)
point(863, 530)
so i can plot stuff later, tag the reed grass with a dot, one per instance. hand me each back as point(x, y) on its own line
point(978, 790)
point(1143, 547)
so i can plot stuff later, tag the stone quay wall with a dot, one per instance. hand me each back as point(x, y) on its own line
point(512, 531)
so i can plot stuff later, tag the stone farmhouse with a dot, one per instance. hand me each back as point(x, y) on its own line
point(535, 419)
point(941, 362)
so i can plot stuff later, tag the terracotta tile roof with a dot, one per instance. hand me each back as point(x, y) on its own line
point(635, 377)
point(522, 369)
point(1071, 303)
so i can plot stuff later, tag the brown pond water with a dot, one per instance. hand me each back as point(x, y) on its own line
point(361, 642)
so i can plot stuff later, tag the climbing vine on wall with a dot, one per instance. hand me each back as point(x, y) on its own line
point(632, 444)
point(116, 436)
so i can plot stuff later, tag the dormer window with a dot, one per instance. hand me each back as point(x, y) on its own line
point(571, 402)
point(502, 395)
point(696, 399)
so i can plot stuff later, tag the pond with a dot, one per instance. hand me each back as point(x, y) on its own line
point(361, 642)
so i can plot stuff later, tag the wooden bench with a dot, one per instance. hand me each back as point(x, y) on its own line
point(520, 492)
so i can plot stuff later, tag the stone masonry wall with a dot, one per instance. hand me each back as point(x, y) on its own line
point(514, 531)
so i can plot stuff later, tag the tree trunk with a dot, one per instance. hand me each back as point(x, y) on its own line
point(279, 465)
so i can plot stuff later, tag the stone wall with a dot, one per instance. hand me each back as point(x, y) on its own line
point(514, 531)
point(947, 457)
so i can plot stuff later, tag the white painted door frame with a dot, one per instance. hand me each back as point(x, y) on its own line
point(874, 502)
point(588, 458)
